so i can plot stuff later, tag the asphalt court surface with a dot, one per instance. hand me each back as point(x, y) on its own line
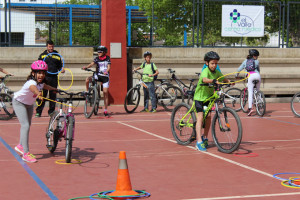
point(156, 162)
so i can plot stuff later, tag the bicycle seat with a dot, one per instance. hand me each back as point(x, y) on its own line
point(190, 92)
point(162, 80)
point(62, 100)
point(192, 80)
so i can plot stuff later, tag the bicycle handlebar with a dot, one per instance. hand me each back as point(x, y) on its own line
point(171, 71)
point(140, 73)
point(70, 93)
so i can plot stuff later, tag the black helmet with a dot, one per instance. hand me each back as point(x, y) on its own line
point(102, 49)
point(253, 52)
point(211, 56)
point(147, 53)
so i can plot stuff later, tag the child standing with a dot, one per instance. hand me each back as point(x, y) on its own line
point(23, 104)
point(251, 65)
point(208, 75)
point(152, 71)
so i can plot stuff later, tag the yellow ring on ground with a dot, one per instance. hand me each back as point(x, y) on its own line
point(41, 101)
point(62, 162)
point(235, 73)
point(287, 185)
point(71, 82)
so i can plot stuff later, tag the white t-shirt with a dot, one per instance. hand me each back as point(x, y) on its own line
point(25, 95)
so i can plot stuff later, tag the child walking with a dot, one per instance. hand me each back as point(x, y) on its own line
point(23, 105)
point(152, 71)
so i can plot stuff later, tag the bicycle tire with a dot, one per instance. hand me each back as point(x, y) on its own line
point(183, 135)
point(260, 103)
point(69, 138)
point(97, 101)
point(295, 104)
point(132, 100)
point(231, 99)
point(227, 130)
point(171, 97)
point(244, 100)
point(52, 132)
point(6, 105)
point(90, 102)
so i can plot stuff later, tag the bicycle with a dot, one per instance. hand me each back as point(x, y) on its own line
point(6, 100)
point(295, 104)
point(226, 126)
point(92, 97)
point(258, 99)
point(232, 98)
point(62, 125)
point(167, 95)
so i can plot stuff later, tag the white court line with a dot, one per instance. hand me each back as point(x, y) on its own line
point(249, 196)
point(210, 154)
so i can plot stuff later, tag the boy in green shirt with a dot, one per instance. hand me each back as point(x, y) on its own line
point(208, 75)
point(149, 81)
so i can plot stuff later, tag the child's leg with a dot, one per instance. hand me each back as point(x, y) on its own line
point(146, 98)
point(199, 126)
point(207, 125)
point(250, 92)
point(105, 94)
point(151, 89)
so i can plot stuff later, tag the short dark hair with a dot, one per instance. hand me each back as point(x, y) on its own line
point(49, 42)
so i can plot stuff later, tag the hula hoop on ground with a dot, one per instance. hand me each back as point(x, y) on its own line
point(235, 73)
point(245, 155)
point(71, 81)
point(292, 181)
point(61, 162)
point(63, 61)
point(283, 179)
point(289, 186)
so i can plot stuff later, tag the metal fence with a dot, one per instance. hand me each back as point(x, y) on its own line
point(168, 23)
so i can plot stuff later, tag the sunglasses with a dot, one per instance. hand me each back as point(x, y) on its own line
point(100, 51)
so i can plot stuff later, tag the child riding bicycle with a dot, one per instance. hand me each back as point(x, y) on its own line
point(103, 67)
point(251, 65)
point(208, 75)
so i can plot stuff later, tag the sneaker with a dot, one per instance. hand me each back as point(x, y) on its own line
point(250, 110)
point(200, 146)
point(144, 110)
point(37, 115)
point(29, 157)
point(153, 111)
point(19, 148)
point(105, 113)
point(205, 141)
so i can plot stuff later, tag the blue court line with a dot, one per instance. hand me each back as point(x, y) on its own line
point(277, 120)
point(29, 171)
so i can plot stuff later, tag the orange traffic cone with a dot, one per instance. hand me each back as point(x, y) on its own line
point(123, 181)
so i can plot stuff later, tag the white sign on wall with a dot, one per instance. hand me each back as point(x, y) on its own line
point(243, 21)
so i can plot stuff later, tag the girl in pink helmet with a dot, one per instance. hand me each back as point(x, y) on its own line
point(23, 102)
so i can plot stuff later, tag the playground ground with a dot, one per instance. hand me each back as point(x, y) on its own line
point(156, 163)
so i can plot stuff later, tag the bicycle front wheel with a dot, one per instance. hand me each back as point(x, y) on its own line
point(90, 102)
point(6, 107)
point(244, 100)
point(227, 130)
point(52, 134)
point(295, 104)
point(183, 128)
point(232, 98)
point(171, 97)
point(132, 100)
point(260, 103)
point(69, 139)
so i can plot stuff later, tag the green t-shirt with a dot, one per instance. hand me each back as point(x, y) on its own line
point(148, 70)
point(203, 92)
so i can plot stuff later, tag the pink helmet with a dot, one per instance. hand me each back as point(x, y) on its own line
point(39, 65)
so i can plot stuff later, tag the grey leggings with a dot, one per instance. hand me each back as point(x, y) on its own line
point(24, 113)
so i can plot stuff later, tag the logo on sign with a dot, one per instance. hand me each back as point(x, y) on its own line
point(240, 24)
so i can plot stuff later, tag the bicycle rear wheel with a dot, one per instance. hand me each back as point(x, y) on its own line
point(227, 130)
point(232, 99)
point(183, 128)
point(171, 97)
point(69, 139)
point(52, 134)
point(295, 104)
point(90, 102)
point(7, 111)
point(244, 100)
point(132, 100)
point(260, 103)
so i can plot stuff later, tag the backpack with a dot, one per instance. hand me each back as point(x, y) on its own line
point(250, 65)
point(155, 77)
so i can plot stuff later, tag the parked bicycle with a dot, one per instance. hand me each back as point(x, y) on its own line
point(232, 99)
point(6, 108)
point(226, 125)
point(167, 95)
point(295, 104)
point(258, 100)
point(62, 125)
point(92, 97)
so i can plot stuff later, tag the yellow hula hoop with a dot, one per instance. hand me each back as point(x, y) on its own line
point(71, 82)
point(41, 100)
point(58, 102)
point(61, 162)
point(284, 183)
point(235, 73)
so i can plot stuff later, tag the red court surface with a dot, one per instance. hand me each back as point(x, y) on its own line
point(156, 163)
